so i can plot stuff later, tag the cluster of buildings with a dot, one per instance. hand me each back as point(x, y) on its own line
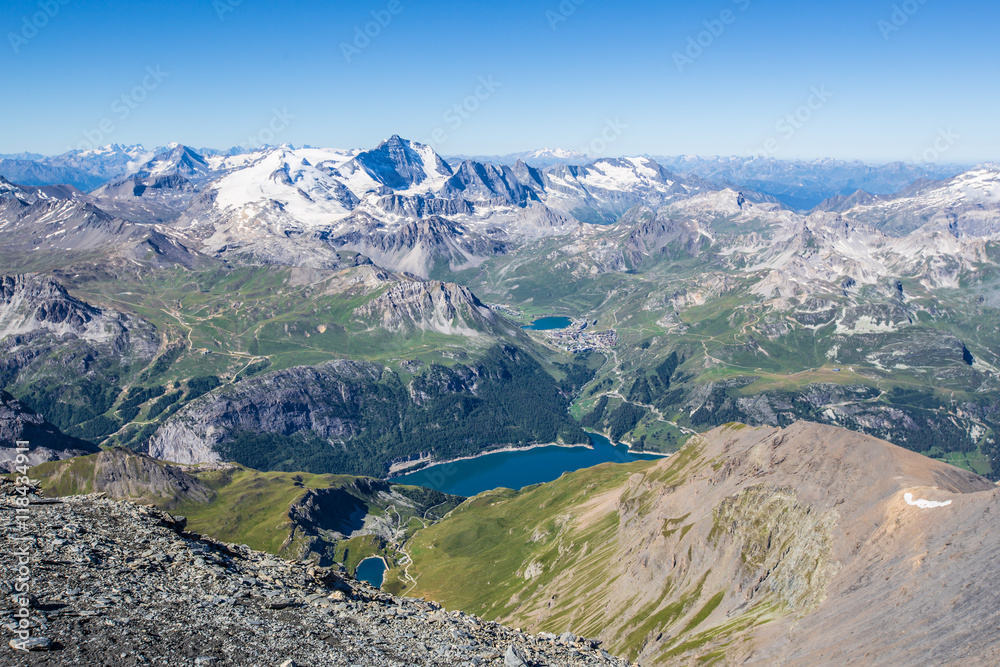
point(579, 337)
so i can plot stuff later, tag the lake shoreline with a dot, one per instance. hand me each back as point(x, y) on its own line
point(430, 463)
point(517, 467)
point(628, 446)
point(549, 323)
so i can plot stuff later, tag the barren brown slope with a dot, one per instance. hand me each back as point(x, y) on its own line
point(916, 585)
point(758, 546)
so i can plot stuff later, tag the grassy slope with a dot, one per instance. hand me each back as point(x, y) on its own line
point(251, 507)
point(72, 477)
point(628, 554)
point(245, 313)
point(472, 560)
point(478, 560)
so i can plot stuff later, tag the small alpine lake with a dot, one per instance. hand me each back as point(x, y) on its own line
point(549, 324)
point(519, 468)
point(371, 570)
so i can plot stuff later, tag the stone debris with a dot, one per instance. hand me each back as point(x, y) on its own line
point(514, 657)
point(123, 584)
point(38, 643)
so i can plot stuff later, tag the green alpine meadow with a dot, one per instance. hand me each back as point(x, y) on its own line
point(537, 334)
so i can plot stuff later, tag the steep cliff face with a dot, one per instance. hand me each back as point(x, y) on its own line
point(490, 184)
point(45, 441)
point(358, 417)
point(33, 307)
point(31, 303)
point(319, 400)
point(38, 316)
point(400, 164)
point(803, 545)
point(63, 356)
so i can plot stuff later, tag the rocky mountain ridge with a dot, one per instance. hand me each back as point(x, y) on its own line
point(64, 356)
point(408, 209)
point(163, 596)
point(432, 306)
point(18, 422)
point(30, 303)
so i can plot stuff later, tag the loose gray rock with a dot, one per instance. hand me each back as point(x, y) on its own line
point(38, 643)
point(514, 657)
point(129, 589)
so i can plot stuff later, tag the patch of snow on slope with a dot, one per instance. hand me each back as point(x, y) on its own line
point(924, 504)
point(309, 194)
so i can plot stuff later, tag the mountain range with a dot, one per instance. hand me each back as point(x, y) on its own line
point(887, 288)
point(804, 184)
point(201, 328)
point(295, 207)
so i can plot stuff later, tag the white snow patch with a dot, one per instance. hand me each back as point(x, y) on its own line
point(924, 504)
point(866, 324)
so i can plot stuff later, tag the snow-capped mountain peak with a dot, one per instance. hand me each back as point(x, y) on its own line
point(405, 165)
point(177, 159)
point(112, 149)
point(966, 204)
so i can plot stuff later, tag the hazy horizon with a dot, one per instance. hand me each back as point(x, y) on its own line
point(877, 82)
point(150, 148)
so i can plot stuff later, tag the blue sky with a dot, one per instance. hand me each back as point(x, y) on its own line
point(893, 78)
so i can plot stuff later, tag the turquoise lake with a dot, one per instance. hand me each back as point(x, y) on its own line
point(371, 570)
point(515, 470)
point(549, 324)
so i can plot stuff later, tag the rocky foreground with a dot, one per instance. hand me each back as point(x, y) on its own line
point(123, 584)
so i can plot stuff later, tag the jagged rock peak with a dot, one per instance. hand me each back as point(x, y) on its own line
point(30, 301)
point(401, 164)
point(433, 305)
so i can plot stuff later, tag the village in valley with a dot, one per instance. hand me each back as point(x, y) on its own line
point(580, 336)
